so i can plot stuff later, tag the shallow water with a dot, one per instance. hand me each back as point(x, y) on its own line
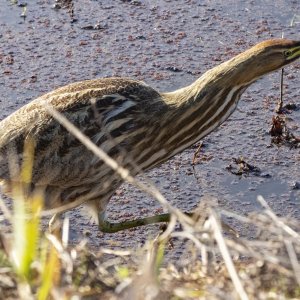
point(168, 47)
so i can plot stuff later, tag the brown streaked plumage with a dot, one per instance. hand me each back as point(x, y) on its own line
point(132, 122)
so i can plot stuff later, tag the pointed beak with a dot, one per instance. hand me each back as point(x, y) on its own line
point(294, 53)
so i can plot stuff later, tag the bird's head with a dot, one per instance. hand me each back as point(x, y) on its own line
point(274, 54)
point(263, 58)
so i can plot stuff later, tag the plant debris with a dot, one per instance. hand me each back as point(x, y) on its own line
point(97, 26)
point(198, 156)
point(291, 106)
point(281, 135)
point(241, 167)
point(66, 4)
point(266, 266)
point(196, 153)
point(173, 69)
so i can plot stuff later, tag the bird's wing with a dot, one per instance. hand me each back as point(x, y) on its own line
point(107, 111)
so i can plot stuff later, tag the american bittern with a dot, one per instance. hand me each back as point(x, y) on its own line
point(132, 122)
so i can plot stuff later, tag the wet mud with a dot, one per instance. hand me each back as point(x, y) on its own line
point(168, 44)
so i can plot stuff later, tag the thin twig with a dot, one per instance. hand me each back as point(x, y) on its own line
point(280, 103)
point(196, 153)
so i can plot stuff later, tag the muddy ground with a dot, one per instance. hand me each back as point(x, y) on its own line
point(168, 44)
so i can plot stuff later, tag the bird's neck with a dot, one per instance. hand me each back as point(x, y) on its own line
point(196, 110)
point(202, 106)
point(226, 76)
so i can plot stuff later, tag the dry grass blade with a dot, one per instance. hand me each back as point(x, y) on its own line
point(227, 257)
point(294, 260)
point(276, 220)
point(263, 268)
point(65, 232)
point(144, 285)
point(64, 255)
point(116, 252)
point(170, 228)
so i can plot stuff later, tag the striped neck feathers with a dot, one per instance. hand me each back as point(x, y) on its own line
point(238, 72)
point(198, 109)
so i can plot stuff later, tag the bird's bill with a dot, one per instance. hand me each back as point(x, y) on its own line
point(294, 53)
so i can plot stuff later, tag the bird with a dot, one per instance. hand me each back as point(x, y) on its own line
point(136, 125)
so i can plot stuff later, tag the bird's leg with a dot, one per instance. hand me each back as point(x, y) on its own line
point(108, 227)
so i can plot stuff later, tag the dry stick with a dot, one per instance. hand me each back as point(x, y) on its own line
point(112, 262)
point(257, 251)
point(204, 259)
point(172, 223)
point(280, 103)
point(236, 216)
point(292, 21)
point(276, 220)
point(260, 223)
point(293, 258)
point(197, 152)
point(204, 253)
point(227, 258)
point(249, 250)
point(64, 255)
point(124, 173)
point(65, 232)
point(248, 245)
point(115, 252)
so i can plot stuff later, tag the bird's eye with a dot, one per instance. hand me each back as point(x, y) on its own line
point(287, 53)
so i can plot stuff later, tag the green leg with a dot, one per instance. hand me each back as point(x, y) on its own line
point(106, 226)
